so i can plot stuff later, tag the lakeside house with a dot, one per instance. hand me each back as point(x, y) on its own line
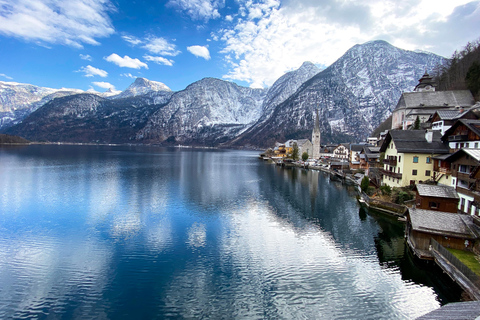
point(408, 156)
point(436, 198)
point(464, 133)
point(450, 230)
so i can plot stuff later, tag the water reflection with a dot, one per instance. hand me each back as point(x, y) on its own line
point(144, 232)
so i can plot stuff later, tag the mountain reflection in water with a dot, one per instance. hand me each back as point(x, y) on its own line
point(98, 232)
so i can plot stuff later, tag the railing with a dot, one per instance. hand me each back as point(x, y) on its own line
point(444, 170)
point(458, 137)
point(391, 174)
point(462, 268)
point(391, 162)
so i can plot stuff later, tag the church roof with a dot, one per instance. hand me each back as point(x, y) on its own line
point(435, 99)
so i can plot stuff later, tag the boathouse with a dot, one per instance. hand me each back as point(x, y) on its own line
point(436, 197)
point(451, 230)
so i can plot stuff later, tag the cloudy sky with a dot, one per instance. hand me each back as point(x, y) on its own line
point(101, 44)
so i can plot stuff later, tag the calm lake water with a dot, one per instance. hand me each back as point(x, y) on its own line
point(97, 232)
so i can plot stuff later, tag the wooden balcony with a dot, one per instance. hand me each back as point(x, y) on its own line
point(391, 174)
point(444, 170)
point(458, 137)
point(390, 162)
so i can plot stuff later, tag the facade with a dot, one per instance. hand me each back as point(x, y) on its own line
point(316, 138)
point(465, 172)
point(408, 156)
point(342, 151)
point(436, 198)
point(354, 156)
point(444, 119)
point(464, 133)
point(304, 145)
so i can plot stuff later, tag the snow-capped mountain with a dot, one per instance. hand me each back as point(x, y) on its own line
point(142, 86)
point(18, 100)
point(87, 117)
point(353, 95)
point(209, 111)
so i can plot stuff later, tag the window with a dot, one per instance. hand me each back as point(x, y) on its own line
point(427, 173)
point(476, 145)
point(414, 172)
point(398, 170)
point(399, 158)
point(433, 205)
point(415, 159)
point(463, 168)
point(428, 159)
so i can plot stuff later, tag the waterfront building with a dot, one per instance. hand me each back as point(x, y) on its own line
point(436, 197)
point(451, 230)
point(408, 156)
point(342, 152)
point(316, 138)
point(354, 155)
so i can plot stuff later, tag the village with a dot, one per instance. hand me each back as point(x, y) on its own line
point(425, 170)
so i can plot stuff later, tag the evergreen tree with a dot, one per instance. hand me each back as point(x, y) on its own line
point(295, 152)
point(473, 79)
point(416, 125)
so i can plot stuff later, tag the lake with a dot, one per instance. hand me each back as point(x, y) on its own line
point(120, 232)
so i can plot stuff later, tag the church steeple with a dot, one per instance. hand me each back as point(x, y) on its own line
point(316, 137)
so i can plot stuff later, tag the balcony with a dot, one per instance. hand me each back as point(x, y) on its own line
point(444, 170)
point(390, 162)
point(458, 137)
point(391, 174)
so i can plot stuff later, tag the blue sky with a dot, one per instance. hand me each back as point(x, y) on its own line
point(88, 44)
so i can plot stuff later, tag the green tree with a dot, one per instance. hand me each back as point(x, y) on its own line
point(416, 125)
point(305, 156)
point(364, 184)
point(295, 152)
point(473, 79)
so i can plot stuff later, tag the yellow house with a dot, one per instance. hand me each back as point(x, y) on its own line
point(409, 156)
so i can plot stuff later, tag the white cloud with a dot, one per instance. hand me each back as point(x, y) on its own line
point(199, 9)
point(128, 75)
point(92, 71)
point(159, 60)
point(228, 18)
point(274, 37)
point(126, 61)
point(160, 46)
point(200, 51)
point(5, 76)
point(132, 40)
point(104, 85)
point(85, 57)
point(72, 23)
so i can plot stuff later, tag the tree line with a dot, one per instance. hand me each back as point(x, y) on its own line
point(462, 71)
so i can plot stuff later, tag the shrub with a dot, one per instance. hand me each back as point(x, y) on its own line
point(386, 190)
point(364, 184)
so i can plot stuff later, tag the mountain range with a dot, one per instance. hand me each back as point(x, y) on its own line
point(353, 96)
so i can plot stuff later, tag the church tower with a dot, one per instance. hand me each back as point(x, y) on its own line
point(316, 137)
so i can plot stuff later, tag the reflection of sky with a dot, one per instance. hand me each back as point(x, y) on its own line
point(193, 233)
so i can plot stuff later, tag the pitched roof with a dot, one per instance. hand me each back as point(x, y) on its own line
point(413, 141)
point(356, 147)
point(442, 99)
point(474, 153)
point(443, 223)
point(473, 125)
point(437, 191)
point(448, 114)
point(301, 142)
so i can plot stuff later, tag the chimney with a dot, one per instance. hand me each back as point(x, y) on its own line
point(429, 135)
